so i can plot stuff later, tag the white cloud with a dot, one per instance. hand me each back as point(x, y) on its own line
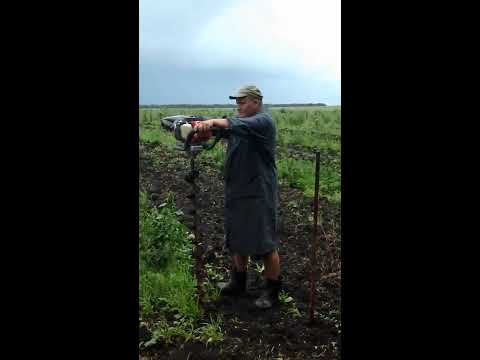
point(293, 48)
point(303, 36)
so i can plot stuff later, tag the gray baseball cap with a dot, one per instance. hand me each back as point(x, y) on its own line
point(247, 90)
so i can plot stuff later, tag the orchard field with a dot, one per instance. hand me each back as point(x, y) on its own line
point(172, 324)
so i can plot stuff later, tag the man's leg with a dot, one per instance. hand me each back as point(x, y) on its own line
point(273, 281)
point(238, 277)
point(272, 265)
point(241, 262)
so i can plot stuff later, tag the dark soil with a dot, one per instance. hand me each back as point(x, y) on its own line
point(251, 333)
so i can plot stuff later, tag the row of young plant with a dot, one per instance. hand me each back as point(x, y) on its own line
point(322, 120)
point(311, 130)
point(169, 309)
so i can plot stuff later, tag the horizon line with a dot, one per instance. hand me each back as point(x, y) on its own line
point(233, 105)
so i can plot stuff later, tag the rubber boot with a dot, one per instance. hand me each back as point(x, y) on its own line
point(269, 294)
point(237, 284)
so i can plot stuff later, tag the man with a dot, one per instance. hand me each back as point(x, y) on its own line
point(251, 218)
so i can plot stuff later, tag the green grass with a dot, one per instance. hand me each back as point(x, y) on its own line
point(167, 283)
point(318, 121)
point(306, 108)
point(150, 130)
point(157, 136)
point(165, 262)
point(308, 139)
point(301, 174)
point(312, 128)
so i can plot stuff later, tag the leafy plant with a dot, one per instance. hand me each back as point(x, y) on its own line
point(211, 332)
point(259, 268)
point(167, 284)
point(286, 299)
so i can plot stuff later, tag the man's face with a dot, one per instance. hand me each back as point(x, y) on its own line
point(247, 106)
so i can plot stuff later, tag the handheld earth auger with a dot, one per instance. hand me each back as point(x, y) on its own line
point(193, 142)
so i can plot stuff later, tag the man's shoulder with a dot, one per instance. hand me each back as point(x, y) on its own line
point(266, 121)
point(264, 116)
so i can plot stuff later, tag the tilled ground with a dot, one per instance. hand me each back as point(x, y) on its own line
point(277, 333)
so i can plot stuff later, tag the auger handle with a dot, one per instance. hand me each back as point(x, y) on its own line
point(218, 131)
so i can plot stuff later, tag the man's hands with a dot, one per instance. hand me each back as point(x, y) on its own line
point(207, 124)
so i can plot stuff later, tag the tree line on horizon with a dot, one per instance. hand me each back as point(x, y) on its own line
point(224, 105)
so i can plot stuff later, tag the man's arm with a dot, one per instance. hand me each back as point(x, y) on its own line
point(207, 124)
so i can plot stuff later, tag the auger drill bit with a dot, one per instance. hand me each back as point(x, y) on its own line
point(198, 252)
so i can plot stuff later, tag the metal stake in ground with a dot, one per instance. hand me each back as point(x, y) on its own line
point(313, 262)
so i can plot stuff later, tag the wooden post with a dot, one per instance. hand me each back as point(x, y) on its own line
point(313, 262)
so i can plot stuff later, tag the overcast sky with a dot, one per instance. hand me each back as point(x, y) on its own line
point(201, 51)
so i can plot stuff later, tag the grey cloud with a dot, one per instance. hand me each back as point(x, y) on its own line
point(164, 84)
point(171, 73)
